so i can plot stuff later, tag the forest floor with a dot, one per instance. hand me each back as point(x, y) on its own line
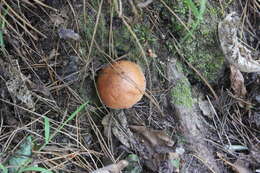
point(197, 115)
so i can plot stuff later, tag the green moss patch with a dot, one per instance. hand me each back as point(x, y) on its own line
point(181, 93)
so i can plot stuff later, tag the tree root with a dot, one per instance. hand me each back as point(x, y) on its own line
point(189, 116)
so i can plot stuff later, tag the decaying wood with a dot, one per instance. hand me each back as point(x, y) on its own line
point(190, 119)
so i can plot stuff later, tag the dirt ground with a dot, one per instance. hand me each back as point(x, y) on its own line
point(193, 117)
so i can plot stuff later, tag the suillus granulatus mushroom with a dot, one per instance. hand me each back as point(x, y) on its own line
point(121, 84)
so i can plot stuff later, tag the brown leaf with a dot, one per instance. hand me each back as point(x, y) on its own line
point(56, 19)
point(16, 85)
point(152, 146)
point(113, 168)
point(155, 137)
point(117, 125)
point(237, 82)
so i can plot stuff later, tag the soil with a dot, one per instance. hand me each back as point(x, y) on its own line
point(44, 74)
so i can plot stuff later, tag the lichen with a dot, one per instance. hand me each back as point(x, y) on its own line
point(181, 93)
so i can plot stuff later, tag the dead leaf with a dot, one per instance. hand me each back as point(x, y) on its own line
point(68, 34)
point(240, 169)
point(238, 166)
point(237, 82)
point(39, 88)
point(171, 164)
point(54, 53)
point(235, 52)
point(144, 4)
point(155, 137)
point(57, 19)
point(16, 85)
point(151, 145)
point(205, 107)
point(150, 53)
point(117, 124)
point(113, 168)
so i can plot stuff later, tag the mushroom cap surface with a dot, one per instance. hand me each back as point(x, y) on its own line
point(121, 84)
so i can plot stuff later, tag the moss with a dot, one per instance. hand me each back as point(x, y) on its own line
point(181, 93)
point(202, 50)
point(122, 42)
point(143, 32)
point(179, 67)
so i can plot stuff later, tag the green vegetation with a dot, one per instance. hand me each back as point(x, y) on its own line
point(199, 44)
point(46, 129)
point(22, 158)
point(144, 34)
point(198, 14)
point(47, 125)
point(2, 27)
point(61, 139)
point(112, 38)
point(134, 164)
point(38, 169)
point(3, 168)
point(181, 93)
point(176, 163)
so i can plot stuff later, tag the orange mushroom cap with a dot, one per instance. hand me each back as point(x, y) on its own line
point(121, 84)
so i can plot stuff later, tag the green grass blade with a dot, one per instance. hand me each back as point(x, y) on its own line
point(46, 129)
point(193, 8)
point(38, 169)
point(3, 168)
point(198, 14)
point(71, 117)
point(2, 26)
point(1, 39)
point(203, 4)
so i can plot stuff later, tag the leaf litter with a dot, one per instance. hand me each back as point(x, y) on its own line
point(235, 52)
point(159, 148)
point(237, 82)
point(238, 166)
point(16, 85)
point(113, 168)
point(152, 145)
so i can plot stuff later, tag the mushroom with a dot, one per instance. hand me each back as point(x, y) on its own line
point(121, 84)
